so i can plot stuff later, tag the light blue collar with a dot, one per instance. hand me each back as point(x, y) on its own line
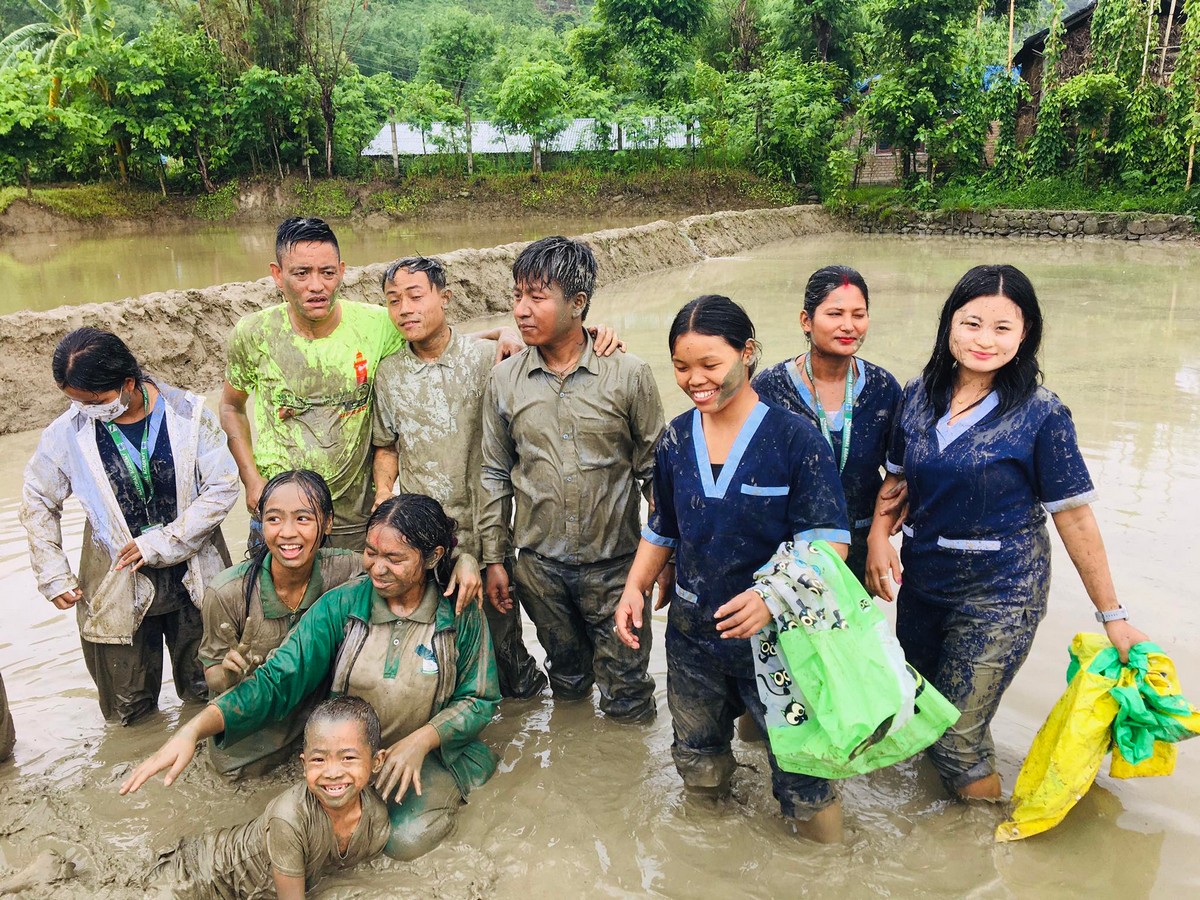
point(717, 489)
point(948, 434)
point(157, 414)
point(835, 416)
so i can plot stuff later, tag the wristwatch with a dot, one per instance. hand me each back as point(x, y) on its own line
point(1112, 615)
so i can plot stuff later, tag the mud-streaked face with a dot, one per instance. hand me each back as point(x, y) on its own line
point(396, 567)
point(417, 308)
point(709, 370)
point(839, 324)
point(338, 763)
point(308, 276)
point(543, 314)
point(986, 333)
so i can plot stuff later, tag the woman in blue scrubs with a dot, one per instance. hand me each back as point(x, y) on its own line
point(851, 400)
point(986, 453)
point(733, 479)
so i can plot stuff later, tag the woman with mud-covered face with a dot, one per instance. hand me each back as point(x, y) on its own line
point(392, 638)
point(986, 453)
point(850, 400)
point(249, 609)
point(733, 479)
point(150, 466)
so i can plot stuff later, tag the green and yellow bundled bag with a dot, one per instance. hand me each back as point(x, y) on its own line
point(1134, 709)
point(840, 698)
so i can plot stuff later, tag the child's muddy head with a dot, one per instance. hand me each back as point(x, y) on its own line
point(295, 512)
point(341, 750)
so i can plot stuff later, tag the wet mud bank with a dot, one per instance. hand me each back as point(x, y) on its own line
point(180, 335)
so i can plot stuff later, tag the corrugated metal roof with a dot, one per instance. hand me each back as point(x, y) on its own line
point(580, 134)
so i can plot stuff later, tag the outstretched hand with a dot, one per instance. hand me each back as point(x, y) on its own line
point(173, 756)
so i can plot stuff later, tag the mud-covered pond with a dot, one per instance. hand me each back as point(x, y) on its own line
point(583, 807)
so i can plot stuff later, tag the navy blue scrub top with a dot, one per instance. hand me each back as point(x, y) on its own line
point(778, 483)
point(876, 402)
point(978, 494)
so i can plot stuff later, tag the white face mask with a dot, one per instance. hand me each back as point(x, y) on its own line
point(103, 412)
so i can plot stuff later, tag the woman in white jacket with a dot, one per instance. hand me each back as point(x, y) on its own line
point(150, 467)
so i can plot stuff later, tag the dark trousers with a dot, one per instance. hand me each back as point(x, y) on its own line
point(129, 676)
point(704, 701)
point(572, 608)
point(517, 671)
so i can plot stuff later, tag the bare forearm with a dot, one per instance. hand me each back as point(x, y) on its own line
point(209, 723)
point(386, 467)
point(647, 565)
point(887, 515)
point(1081, 535)
point(236, 425)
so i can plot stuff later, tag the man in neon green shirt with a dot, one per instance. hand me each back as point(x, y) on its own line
point(310, 364)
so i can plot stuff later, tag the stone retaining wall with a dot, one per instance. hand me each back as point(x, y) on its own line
point(1058, 224)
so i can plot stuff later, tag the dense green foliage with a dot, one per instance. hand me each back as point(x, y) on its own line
point(187, 95)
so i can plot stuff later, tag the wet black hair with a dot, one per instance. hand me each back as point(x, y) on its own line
point(95, 360)
point(558, 260)
point(716, 316)
point(346, 709)
point(1020, 376)
point(433, 269)
point(424, 526)
point(303, 230)
point(824, 282)
point(314, 489)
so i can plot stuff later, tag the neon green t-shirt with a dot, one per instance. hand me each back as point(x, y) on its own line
point(312, 398)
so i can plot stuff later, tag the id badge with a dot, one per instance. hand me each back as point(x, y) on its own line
point(155, 526)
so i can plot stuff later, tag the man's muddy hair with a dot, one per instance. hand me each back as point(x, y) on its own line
point(558, 260)
point(95, 360)
point(336, 710)
point(303, 230)
point(1017, 379)
point(424, 526)
point(824, 282)
point(314, 489)
point(715, 316)
point(431, 266)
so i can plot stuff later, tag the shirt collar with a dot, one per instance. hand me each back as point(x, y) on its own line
point(273, 607)
point(424, 614)
point(453, 351)
point(588, 360)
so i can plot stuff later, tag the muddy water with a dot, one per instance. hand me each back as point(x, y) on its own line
point(43, 271)
point(583, 807)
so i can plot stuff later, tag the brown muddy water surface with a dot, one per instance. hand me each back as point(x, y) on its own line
point(584, 807)
point(42, 271)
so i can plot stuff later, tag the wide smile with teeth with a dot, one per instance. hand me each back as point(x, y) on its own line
point(335, 790)
point(291, 549)
point(703, 395)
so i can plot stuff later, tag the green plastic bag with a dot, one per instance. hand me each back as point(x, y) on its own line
point(840, 698)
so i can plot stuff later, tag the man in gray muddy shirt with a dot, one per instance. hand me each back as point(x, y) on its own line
point(569, 436)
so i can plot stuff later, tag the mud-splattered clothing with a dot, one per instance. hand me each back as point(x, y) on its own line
point(294, 835)
point(69, 461)
point(572, 607)
point(8, 735)
point(431, 413)
point(876, 396)
point(262, 627)
point(778, 483)
point(976, 553)
point(331, 641)
point(573, 454)
point(323, 389)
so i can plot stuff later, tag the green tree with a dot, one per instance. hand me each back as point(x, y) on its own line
point(656, 31)
point(533, 100)
point(31, 132)
point(50, 40)
point(424, 104)
point(460, 44)
point(269, 115)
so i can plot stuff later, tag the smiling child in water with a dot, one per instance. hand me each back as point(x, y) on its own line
point(331, 822)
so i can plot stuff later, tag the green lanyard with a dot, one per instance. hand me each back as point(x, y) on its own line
point(142, 482)
point(847, 409)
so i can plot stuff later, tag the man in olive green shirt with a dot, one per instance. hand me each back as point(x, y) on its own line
point(569, 436)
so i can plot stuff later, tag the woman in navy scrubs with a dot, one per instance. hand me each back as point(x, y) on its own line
point(851, 400)
point(733, 479)
point(986, 453)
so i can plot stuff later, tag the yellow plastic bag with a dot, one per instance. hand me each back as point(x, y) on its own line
point(1068, 750)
